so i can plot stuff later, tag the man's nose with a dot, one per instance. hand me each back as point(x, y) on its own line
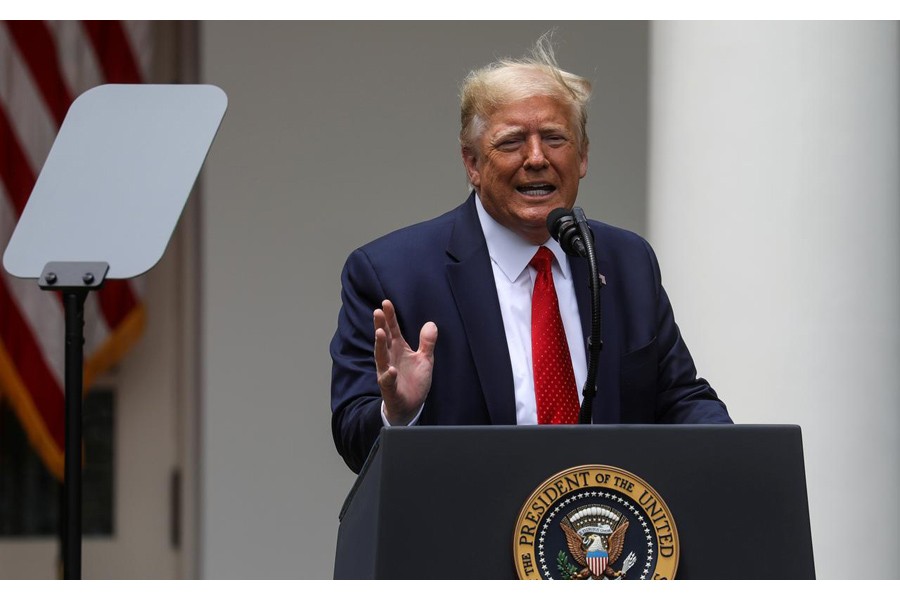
point(534, 153)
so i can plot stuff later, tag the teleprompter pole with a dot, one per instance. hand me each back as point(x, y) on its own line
point(74, 280)
point(74, 305)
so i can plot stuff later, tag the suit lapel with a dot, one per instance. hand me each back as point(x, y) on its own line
point(472, 283)
point(581, 276)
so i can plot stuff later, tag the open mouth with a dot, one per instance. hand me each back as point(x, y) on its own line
point(536, 190)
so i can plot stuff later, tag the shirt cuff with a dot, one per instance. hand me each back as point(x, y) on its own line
point(415, 419)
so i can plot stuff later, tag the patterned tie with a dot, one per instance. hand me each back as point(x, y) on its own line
point(554, 380)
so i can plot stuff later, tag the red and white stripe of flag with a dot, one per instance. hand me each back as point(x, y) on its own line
point(597, 564)
point(44, 66)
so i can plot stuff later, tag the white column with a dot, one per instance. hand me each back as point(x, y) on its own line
point(775, 210)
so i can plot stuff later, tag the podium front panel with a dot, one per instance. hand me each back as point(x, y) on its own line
point(442, 502)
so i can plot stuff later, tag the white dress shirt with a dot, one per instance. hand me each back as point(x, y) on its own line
point(514, 280)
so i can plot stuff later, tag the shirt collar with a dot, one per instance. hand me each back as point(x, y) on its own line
point(510, 252)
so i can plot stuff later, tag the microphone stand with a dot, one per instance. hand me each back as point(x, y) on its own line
point(595, 340)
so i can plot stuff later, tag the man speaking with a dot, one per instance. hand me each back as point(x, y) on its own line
point(501, 313)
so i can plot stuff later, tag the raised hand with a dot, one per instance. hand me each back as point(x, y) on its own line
point(404, 375)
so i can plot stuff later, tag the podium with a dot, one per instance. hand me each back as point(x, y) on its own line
point(445, 502)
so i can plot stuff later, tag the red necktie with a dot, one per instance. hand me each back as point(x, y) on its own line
point(554, 380)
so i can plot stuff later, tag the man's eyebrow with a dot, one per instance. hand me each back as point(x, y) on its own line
point(554, 129)
point(508, 131)
point(518, 130)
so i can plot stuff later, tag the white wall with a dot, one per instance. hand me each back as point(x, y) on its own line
point(335, 134)
point(775, 211)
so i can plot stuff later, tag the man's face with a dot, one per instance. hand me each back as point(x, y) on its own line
point(527, 162)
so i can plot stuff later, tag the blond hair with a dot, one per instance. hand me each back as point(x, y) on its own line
point(509, 80)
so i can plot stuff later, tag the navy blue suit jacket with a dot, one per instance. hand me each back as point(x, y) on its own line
point(440, 271)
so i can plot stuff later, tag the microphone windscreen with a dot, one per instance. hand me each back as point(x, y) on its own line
point(555, 220)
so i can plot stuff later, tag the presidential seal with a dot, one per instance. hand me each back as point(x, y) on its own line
point(595, 522)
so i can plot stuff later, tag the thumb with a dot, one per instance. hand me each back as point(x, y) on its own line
point(428, 338)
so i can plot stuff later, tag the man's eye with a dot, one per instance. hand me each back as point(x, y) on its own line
point(555, 140)
point(507, 145)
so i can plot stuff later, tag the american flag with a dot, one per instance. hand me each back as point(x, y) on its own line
point(44, 66)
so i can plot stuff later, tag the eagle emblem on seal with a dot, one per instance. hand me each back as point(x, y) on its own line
point(595, 536)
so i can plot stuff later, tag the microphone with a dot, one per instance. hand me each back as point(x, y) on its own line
point(564, 229)
point(570, 228)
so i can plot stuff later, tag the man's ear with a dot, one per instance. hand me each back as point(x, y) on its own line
point(584, 160)
point(470, 161)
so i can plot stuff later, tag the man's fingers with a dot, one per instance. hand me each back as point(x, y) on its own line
point(390, 316)
point(380, 321)
point(428, 338)
point(382, 352)
point(387, 381)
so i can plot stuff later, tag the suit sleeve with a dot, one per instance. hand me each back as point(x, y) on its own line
point(681, 397)
point(355, 395)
